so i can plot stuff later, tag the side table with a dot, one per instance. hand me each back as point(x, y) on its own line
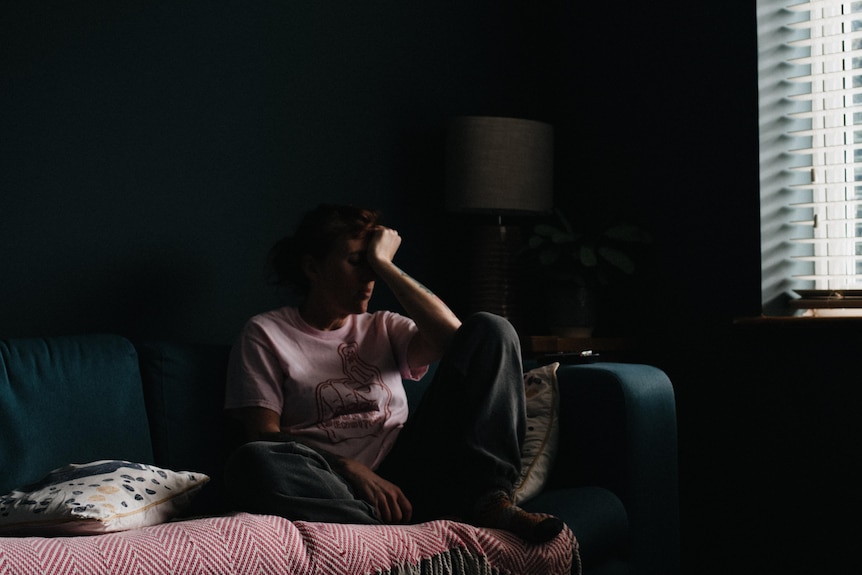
point(548, 348)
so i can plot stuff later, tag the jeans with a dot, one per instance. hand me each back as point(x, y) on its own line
point(463, 441)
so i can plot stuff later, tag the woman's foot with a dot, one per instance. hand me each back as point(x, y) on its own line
point(497, 511)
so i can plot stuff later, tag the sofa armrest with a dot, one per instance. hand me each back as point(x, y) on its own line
point(618, 431)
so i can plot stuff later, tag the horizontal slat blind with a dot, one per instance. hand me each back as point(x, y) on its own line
point(829, 72)
point(810, 81)
point(784, 177)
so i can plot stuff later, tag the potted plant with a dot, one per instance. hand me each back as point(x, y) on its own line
point(575, 264)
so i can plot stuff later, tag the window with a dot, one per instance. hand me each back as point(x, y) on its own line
point(810, 83)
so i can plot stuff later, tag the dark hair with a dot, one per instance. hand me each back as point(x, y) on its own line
point(318, 233)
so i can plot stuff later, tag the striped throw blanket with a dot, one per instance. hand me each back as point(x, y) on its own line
point(245, 544)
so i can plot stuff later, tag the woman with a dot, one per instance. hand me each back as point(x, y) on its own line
point(317, 390)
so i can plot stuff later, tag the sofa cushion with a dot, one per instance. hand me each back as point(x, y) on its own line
point(184, 391)
point(98, 497)
point(67, 399)
point(595, 515)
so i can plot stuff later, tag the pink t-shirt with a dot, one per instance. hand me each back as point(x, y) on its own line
point(339, 390)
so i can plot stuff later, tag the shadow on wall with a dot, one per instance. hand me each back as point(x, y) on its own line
point(159, 295)
point(153, 296)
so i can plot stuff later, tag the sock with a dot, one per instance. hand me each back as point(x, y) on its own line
point(497, 511)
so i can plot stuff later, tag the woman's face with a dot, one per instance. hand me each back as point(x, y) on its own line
point(343, 281)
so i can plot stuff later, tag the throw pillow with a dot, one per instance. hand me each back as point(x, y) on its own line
point(541, 438)
point(98, 497)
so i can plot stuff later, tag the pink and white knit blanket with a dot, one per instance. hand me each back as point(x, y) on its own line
point(245, 544)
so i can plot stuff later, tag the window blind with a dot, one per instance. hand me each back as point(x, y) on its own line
point(810, 81)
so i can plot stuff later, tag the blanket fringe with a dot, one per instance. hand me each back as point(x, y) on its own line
point(454, 560)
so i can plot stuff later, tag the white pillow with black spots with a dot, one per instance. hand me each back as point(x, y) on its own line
point(98, 497)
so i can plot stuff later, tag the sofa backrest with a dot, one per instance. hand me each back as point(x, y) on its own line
point(184, 392)
point(68, 400)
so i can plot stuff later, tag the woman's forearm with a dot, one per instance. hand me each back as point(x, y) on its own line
point(437, 323)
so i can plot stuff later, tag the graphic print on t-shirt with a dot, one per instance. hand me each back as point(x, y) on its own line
point(357, 405)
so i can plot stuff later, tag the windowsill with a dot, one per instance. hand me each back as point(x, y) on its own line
point(826, 308)
point(817, 321)
point(832, 306)
point(832, 312)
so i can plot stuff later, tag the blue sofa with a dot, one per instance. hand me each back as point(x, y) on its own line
point(90, 397)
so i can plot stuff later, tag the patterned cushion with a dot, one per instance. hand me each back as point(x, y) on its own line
point(98, 497)
point(540, 441)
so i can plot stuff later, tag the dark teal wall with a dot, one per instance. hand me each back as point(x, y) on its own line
point(151, 152)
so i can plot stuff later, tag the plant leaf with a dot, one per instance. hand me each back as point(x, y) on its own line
point(587, 256)
point(627, 233)
point(549, 256)
point(564, 221)
point(535, 241)
point(546, 230)
point(562, 238)
point(617, 259)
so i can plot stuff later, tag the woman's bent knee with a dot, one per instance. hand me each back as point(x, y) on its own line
point(490, 323)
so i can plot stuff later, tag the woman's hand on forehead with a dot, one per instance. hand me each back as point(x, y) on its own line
point(383, 243)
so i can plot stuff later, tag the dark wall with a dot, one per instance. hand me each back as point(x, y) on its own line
point(768, 411)
point(669, 126)
point(791, 483)
point(151, 152)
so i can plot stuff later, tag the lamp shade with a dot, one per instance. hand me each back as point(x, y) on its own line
point(499, 165)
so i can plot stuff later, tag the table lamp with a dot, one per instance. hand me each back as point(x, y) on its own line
point(498, 168)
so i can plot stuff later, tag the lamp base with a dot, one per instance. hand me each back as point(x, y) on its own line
point(496, 284)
